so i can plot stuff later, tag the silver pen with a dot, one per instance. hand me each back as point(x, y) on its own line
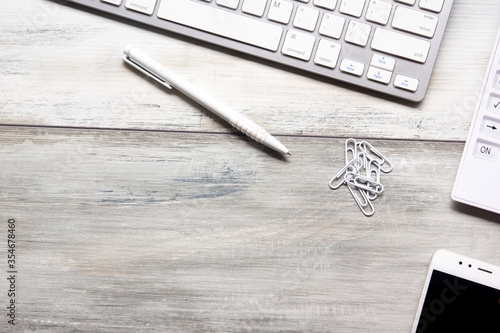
point(169, 79)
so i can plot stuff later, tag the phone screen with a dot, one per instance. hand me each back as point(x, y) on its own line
point(453, 304)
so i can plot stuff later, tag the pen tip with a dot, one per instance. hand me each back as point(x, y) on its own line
point(288, 153)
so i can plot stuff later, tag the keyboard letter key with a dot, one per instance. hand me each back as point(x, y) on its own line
point(280, 11)
point(233, 4)
point(401, 45)
point(328, 4)
point(254, 7)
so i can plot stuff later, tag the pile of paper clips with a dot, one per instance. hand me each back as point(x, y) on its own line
point(361, 174)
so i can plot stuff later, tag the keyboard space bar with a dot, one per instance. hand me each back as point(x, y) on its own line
point(221, 22)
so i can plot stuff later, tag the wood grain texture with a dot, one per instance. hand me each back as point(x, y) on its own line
point(138, 210)
point(136, 231)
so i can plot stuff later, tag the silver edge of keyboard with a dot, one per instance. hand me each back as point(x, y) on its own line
point(270, 49)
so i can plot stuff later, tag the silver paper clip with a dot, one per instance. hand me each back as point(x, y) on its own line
point(361, 173)
point(363, 203)
point(367, 148)
point(354, 165)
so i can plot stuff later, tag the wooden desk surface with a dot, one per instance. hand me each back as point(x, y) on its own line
point(137, 210)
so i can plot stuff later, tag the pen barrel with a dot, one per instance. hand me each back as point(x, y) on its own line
point(251, 129)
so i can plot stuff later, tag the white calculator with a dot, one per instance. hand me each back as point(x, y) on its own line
point(478, 178)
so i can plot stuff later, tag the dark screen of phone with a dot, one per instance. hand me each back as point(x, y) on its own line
point(453, 304)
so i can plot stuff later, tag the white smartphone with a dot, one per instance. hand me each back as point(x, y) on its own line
point(461, 294)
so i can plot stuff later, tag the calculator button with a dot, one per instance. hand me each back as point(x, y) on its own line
point(496, 82)
point(494, 103)
point(490, 127)
point(486, 150)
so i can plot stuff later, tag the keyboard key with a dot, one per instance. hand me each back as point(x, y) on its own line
point(352, 7)
point(328, 4)
point(280, 11)
point(383, 62)
point(406, 82)
point(327, 53)
point(400, 45)
point(332, 25)
point(408, 2)
point(222, 22)
point(233, 4)
point(298, 45)
point(432, 5)
point(379, 11)
point(352, 67)
point(358, 33)
point(306, 18)
point(141, 6)
point(254, 7)
point(379, 75)
point(415, 21)
point(113, 2)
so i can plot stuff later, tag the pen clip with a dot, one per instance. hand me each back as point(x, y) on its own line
point(145, 71)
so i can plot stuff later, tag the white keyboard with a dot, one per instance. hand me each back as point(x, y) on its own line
point(389, 46)
point(478, 178)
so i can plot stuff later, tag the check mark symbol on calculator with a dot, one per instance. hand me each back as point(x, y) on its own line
point(496, 105)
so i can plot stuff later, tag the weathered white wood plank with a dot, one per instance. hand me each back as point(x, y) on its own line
point(132, 231)
point(68, 61)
